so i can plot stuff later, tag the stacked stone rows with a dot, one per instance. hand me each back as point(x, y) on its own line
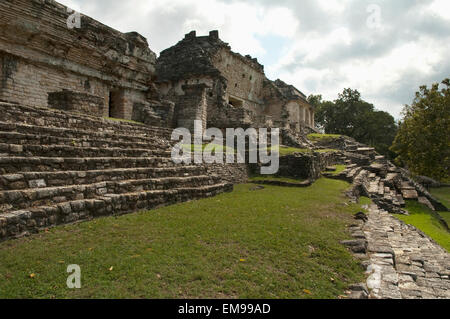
point(58, 167)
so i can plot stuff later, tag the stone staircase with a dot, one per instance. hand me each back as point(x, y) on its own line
point(387, 185)
point(58, 167)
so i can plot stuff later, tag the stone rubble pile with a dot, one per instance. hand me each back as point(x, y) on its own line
point(385, 184)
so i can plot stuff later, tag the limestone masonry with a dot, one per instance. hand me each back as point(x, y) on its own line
point(69, 152)
point(40, 55)
point(99, 71)
point(233, 89)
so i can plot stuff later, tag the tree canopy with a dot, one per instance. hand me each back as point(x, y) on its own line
point(423, 139)
point(352, 116)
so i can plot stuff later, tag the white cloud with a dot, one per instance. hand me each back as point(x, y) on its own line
point(333, 6)
point(441, 8)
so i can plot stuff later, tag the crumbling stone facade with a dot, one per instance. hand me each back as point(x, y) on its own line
point(61, 161)
point(237, 90)
point(78, 102)
point(113, 74)
point(40, 54)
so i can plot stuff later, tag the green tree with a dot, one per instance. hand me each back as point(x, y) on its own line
point(423, 139)
point(352, 116)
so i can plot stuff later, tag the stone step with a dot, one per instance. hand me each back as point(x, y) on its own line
point(23, 222)
point(28, 198)
point(41, 116)
point(353, 172)
point(401, 201)
point(373, 187)
point(72, 151)
point(410, 194)
point(86, 140)
point(24, 180)
point(392, 196)
point(13, 165)
point(381, 188)
point(391, 177)
point(101, 125)
point(407, 186)
point(89, 135)
point(365, 149)
point(376, 168)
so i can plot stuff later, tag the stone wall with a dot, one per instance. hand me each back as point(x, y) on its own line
point(76, 102)
point(154, 113)
point(307, 166)
point(27, 83)
point(192, 106)
point(231, 173)
point(287, 106)
point(245, 78)
point(40, 54)
point(238, 94)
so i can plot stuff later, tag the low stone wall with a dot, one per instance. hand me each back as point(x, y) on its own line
point(307, 166)
point(154, 113)
point(25, 222)
point(231, 173)
point(76, 102)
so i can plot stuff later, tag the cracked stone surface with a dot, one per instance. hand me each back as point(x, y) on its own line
point(403, 262)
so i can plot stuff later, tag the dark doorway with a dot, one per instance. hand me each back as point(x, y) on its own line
point(115, 104)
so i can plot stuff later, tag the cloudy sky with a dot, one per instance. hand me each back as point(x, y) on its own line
point(384, 48)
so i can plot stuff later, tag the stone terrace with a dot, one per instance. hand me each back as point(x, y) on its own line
point(58, 167)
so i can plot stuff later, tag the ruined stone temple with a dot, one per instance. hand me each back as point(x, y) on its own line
point(99, 71)
point(63, 159)
point(65, 156)
point(93, 69)
point(232, 89)
point(67, 153)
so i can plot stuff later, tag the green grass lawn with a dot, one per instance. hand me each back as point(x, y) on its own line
point(423, 218)
point(257, 178)
point(339, 169)
point(317, 136)
point(443, 194)
point(271, 243)
point(285, 150)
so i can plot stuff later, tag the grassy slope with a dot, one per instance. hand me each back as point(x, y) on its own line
point(284, 150)
point(422, 218)
point(339, 169)
point(317, 136)
point(443, 194)
point(257, 178)
point(271, 243)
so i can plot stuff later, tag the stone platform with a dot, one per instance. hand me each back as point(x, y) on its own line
point(58, 167)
